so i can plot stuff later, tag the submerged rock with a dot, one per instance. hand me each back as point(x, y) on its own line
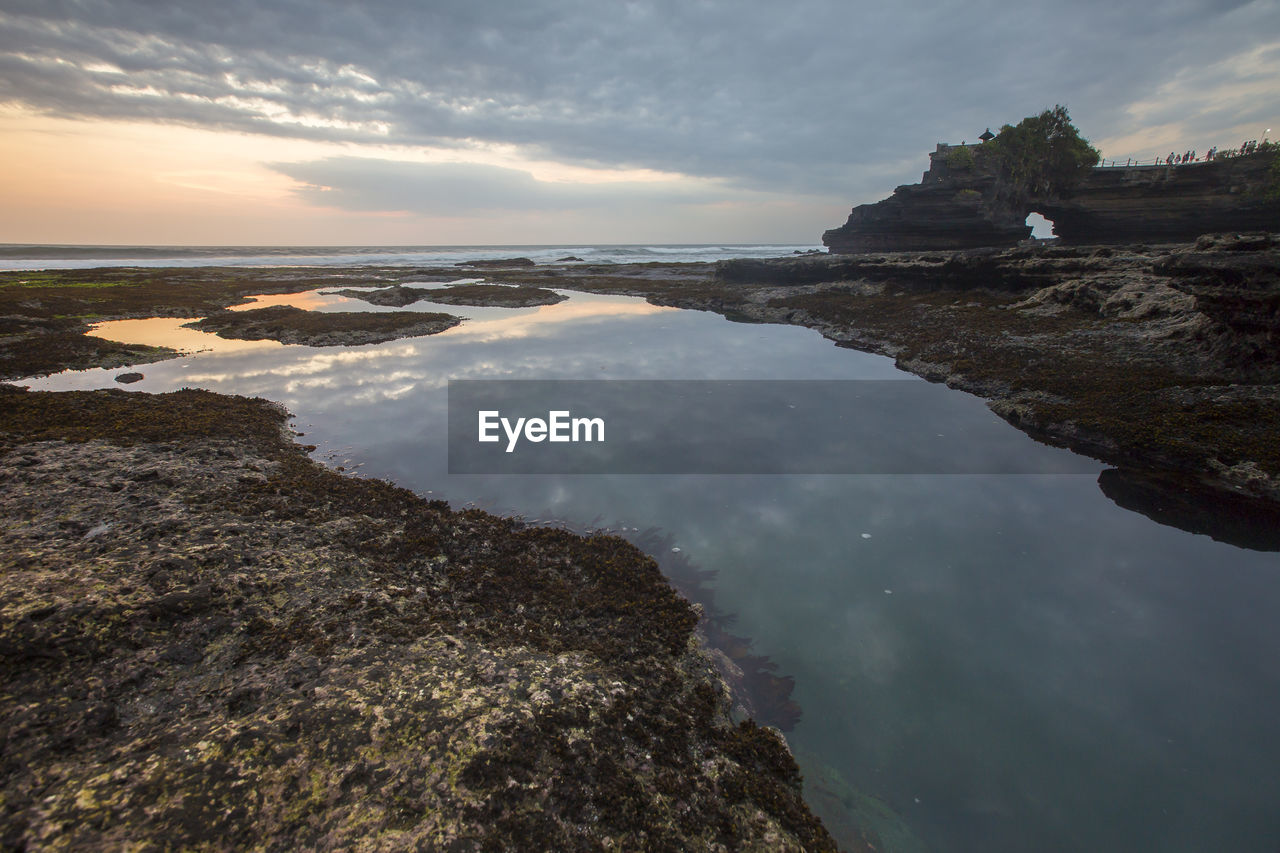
point(129, 378)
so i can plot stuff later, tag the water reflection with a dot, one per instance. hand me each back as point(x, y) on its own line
point(311, 300)
point(521, 323)
point(1179, 501)
point(169, 332)
point(983, 662)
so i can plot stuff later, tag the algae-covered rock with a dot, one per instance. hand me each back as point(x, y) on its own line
point(496, 295)
point(208, 641)
point(485, 295)
point(290, 325)
point(396, 296)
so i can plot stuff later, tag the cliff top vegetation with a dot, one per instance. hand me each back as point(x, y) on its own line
point(1041, 156)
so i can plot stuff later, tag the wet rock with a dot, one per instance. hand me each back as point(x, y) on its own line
point(290, 325)
point(182, 653)
point(457, 679)
point(396, 296)
point(180, 603)
point(1235, 281)
point(497, 263)
point(496, 295)
point(129, 378)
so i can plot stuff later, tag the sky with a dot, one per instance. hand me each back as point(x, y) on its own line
point(424, 122)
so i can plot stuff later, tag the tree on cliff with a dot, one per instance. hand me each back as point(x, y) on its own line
point(1042, 156)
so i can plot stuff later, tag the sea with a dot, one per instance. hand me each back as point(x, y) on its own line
point(994, 657)
point(15, 256)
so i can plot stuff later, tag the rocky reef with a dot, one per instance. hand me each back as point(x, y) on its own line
point(496, 295)
point(963, 202)
point(290, 325)
point(497, 263)
point(1235, 281)
point(1153, 359)
point(1158, 359)
point(396, 296)
point(482, 295)
point(44, 315)
point(210, 642)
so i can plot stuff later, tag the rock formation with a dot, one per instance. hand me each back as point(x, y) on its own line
point(290, 325)
point(1235, 280)
point(210, 642)
point(963, 203)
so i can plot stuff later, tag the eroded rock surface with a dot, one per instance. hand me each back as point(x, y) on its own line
point(1235, 281)
point(290, 325)
point(208, 641)
point(396, 296)
point(1156, 358)
point(496, 295)
point(484, 295)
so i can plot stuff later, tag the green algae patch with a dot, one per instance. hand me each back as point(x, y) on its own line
point(209, 641)
point(290, 325)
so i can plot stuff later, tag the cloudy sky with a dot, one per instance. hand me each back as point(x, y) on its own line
point(568, 121)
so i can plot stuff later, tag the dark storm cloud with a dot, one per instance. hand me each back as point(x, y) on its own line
point(814, 96)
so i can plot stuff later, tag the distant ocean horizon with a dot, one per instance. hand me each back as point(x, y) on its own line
point(27, 256)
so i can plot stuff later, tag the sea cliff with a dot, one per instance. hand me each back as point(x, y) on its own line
point(963, 203)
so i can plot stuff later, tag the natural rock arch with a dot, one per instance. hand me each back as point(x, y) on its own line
point(965, 209)
point(1042, 227)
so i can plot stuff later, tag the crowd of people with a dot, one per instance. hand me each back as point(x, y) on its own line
point(1213, 153)
point(1192, 156)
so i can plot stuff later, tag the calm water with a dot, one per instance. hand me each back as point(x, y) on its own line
point(984, 662)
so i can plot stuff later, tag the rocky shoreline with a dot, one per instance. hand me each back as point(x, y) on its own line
point(209, 639)
point(205, 630)
point(1156, 359)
